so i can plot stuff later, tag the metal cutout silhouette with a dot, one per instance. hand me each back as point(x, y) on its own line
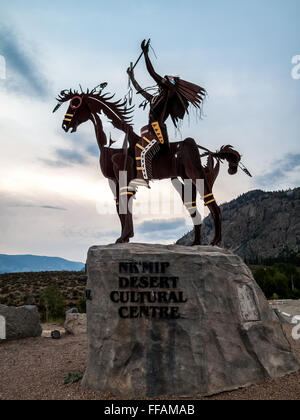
point(176, 160)
point(172, 99)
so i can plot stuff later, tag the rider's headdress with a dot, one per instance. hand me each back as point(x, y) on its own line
point(186, 93)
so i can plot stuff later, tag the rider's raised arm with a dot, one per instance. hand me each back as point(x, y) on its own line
point(137, 87)
point(150, 68)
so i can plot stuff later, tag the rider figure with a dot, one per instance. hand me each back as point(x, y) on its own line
point(172, 100)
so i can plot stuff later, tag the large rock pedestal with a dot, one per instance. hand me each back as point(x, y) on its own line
point(209, 327)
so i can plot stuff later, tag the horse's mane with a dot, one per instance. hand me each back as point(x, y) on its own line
point(116, 111)
point(112, 109)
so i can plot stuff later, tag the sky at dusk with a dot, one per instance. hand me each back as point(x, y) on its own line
point(53, 198)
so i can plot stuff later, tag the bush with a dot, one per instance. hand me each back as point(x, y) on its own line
point(52, 304)
point(72, 378)
point(281, 281)
point(81, 306)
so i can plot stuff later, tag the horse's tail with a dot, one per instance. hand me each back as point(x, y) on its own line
point(226, 153)
point(212, 167)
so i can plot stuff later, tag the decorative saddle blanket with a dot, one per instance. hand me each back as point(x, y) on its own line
point(148, 148)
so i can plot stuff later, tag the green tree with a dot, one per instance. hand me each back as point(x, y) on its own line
point(81, 305)
point(260, 275)
point(52, 303)
point(282, 285)
point(281, 280)
point(291, 272)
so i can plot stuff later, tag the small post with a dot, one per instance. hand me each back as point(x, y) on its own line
point(2, 328)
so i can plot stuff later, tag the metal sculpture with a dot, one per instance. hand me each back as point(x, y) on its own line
point(172, 99)
point(173, 161)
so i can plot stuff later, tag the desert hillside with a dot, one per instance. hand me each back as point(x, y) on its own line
point(28, 288)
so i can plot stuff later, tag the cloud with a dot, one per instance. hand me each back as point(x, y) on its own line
point(79, 151)
point(149, 231)
point(55, 163)
point(66, 158)
point(162, 231)
point(45, 206)
point(75, 232)
point(93, 150)
point(53, 208)
point(22, 70)
point(157, 226)
point(282, 170)
point(71, 156)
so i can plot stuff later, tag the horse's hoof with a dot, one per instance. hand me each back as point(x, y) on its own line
point(196, 244)
point(215, 242)
point(122, 241)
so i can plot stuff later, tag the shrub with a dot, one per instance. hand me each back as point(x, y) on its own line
point(81, 306)
point(281, 281)
point(72, 378)
point(52, 304)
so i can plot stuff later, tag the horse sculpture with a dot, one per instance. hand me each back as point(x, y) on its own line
point(183, 159)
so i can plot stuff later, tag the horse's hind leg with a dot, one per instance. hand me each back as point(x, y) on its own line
point(195, 171)
point(125, 208)
point(189, 200)
point(210, 203)
point(217, 216)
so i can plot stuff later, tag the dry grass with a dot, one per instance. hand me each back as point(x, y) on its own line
point(27, 288)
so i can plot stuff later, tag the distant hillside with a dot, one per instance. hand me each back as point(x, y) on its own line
point(33, 263)
point(261, 227)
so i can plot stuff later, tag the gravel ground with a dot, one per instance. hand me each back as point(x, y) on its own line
point(35, 368)
point(288, 308)
point(48, 328)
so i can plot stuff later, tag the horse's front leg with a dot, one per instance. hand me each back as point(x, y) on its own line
point(125, 209)
point(197, 238)
point(126, 194)
point(115, 188)
point(122, 218)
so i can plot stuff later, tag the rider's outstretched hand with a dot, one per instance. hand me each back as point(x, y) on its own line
point(145, 46)
point(130, 71)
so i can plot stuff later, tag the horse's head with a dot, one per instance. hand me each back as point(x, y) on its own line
point(89, 105)
point(232, 156)
point(78, 110)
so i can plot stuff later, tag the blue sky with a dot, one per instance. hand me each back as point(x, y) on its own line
point(240, 51)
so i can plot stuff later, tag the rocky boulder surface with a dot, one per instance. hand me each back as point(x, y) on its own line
point(76, 323)
point(20, 322)
point(178, 321)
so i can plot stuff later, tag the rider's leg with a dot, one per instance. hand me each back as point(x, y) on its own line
point(145, 151)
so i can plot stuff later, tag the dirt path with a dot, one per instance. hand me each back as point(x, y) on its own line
point(35, 369)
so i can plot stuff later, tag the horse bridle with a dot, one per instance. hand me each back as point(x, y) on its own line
point(69, 117)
